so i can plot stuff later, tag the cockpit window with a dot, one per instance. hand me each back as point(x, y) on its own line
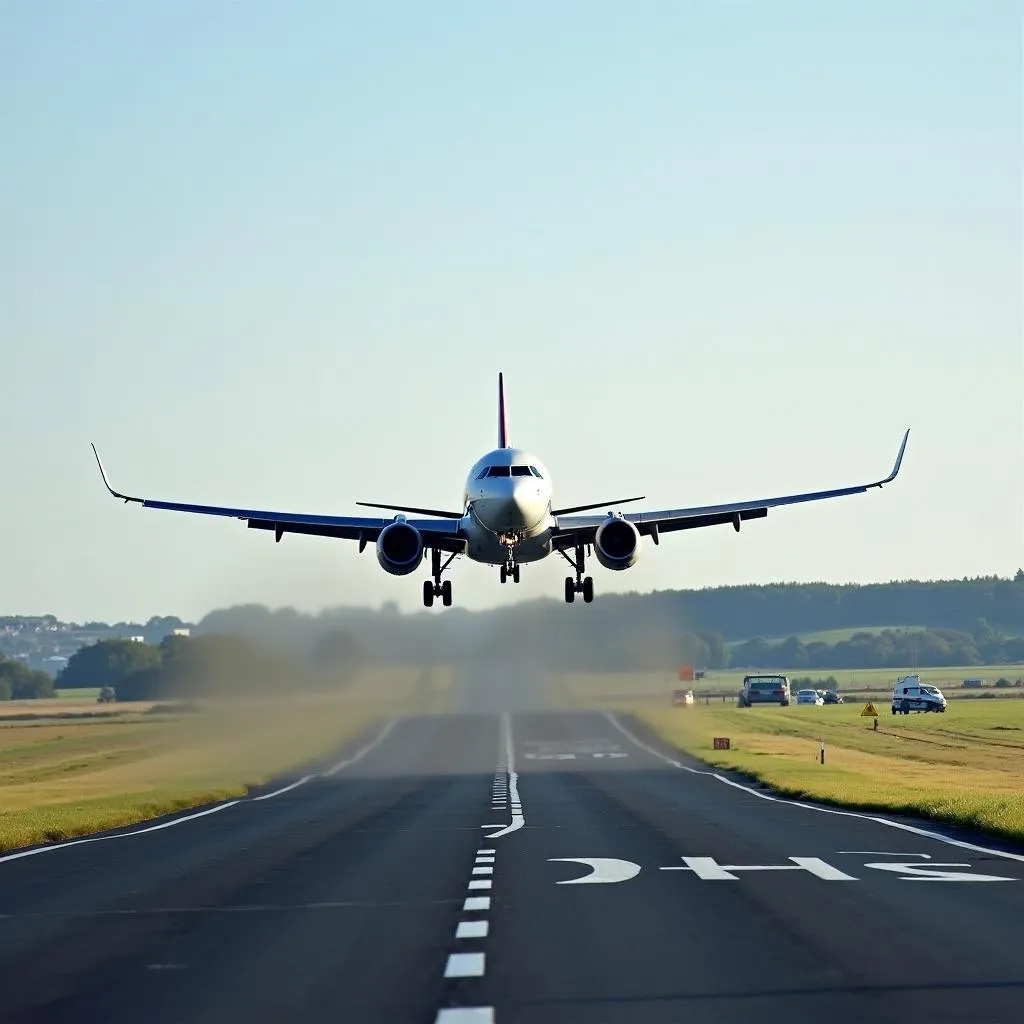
point(536, 472)
point(497, 471)
point(521, 471)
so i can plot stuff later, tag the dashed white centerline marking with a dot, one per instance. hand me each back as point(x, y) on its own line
point(472, 930)
point(518, 818)
point(485, 860)
point(480, 883)
point(477, 903)
point(484, 852)
point(465, 965)
point(480, 870)
point(467, 1015)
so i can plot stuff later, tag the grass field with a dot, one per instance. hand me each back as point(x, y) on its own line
point(69, 768)
point(830, 636)
point(964, 767)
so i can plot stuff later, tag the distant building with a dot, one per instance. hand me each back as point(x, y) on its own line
point(181, 632)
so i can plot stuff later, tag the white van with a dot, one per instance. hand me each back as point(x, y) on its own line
point(910, 694)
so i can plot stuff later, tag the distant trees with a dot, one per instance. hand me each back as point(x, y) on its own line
point(19, 682)
point(891, 648)
point(106, 663)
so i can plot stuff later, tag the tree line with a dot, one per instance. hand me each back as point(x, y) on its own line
point(956, 621)
point(19, 682)
point(927, 648)
point(181, 667)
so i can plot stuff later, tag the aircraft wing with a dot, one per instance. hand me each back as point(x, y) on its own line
point(573, 530)
point(437, 533)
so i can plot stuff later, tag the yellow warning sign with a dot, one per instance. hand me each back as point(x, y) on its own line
point(869, 711)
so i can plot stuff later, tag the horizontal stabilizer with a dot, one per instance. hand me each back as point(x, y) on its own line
point(596, 504)
point(441, 513)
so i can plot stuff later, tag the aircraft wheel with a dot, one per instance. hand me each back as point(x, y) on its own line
point(588, 589)
point(446, 593)
point(515, 573)
point(570, 590)
point(504, 573)
point(428, 594)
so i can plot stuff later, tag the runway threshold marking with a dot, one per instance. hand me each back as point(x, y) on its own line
point(927, 833)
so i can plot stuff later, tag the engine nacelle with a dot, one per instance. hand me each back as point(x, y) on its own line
point(617, 544)
point(399, 548)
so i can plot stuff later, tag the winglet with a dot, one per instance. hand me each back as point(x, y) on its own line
point(502, 428)
point(899, 462)
point(106, 482)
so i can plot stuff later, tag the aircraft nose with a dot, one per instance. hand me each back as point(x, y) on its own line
point(508, 507)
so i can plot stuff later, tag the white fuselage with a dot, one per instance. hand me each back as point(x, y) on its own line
point(508, 503)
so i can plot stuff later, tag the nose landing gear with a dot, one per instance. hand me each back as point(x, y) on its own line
point(435, 588)
point(581, 584)
point(510, 568)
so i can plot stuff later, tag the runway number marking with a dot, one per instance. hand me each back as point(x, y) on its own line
point(710, 870)
point(929, 873)
point(603, 870)
point(608, 870)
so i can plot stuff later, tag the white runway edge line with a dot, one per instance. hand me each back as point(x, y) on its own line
point(358, 756)
point(518, 818)
point(937, 836)
point(284, 789)
point(120, 835)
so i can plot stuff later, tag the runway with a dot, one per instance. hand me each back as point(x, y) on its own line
point(513, 867)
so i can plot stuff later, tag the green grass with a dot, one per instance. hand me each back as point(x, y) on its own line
point(830, 636)
point(963, 767)
point(88, 693)
point(63, 776)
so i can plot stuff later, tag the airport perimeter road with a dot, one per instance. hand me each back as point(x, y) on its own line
point(532, 867)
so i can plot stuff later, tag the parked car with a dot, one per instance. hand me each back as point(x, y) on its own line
point(769, 689)
point(808, 697)
point(830, 697)
point(910, 694)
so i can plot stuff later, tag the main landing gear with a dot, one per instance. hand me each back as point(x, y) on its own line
point(581, 584)
point(510, 572)
point(435, 588)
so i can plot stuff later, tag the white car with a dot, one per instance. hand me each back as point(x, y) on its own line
point(808, 697)
point(910, 694)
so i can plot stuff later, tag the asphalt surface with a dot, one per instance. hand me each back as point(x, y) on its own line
point(424, 881)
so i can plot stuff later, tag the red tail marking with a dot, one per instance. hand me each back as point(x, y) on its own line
point(502, 428)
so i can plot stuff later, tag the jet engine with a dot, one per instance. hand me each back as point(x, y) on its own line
point(399, 548)
point(617, 544)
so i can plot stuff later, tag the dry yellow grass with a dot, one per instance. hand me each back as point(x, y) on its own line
point(71, 776)
point(964, 767)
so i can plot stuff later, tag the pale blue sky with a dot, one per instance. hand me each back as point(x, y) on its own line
point(275, 254)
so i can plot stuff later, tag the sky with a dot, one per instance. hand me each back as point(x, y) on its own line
point(274, 255)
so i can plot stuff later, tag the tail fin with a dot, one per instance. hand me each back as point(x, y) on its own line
point(502, 428)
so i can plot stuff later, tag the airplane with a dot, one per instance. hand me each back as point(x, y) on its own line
point(506, 519)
